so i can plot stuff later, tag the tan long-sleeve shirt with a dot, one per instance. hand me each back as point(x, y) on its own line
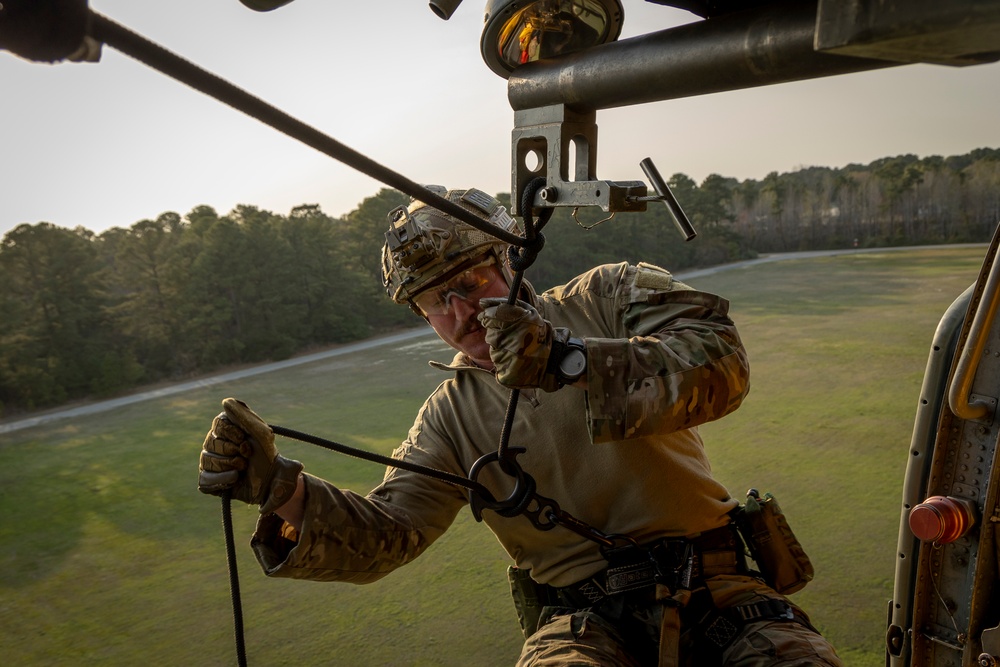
point(624, 456)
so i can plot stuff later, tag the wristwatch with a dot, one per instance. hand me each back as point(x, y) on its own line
point(573, 364)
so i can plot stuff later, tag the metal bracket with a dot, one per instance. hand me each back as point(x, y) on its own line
point(991, 404)
point(991, 647)
point(560, 144)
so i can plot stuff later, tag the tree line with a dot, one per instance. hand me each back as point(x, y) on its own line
point(92, 315)
point(892, 201)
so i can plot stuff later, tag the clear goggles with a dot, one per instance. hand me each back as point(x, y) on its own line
point(467, 285)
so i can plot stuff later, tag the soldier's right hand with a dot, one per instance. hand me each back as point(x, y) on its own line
point(239, 456)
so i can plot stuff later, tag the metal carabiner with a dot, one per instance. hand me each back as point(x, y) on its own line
point(517, 501)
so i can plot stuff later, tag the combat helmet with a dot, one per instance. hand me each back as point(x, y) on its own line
point(424, 246)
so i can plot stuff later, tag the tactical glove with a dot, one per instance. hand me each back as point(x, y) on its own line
point(520, 341)
point(239, 455)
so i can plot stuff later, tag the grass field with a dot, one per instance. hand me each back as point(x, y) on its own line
point(110, 556)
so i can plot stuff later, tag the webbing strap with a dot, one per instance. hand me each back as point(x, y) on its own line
point(763, 610)
point(717, 629)
point(670, 624)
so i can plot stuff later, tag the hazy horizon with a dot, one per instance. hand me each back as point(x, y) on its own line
point(109, 144)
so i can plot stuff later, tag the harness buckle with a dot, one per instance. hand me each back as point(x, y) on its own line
point(630, 568)
point(675, 563)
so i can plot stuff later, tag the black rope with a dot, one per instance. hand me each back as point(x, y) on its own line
point(544, 513)
point(162, 60)
point(384, 460)
point(227, 512)
point(519, 263)
point(234, 577)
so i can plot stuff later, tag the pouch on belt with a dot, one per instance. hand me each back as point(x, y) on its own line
point(782, 560)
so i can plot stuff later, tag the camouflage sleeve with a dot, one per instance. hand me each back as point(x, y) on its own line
point(358, 539)
point(681, 365)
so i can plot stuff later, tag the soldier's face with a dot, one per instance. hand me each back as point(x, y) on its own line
point(459, 326)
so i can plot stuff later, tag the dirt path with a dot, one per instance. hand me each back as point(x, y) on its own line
point(103, 406)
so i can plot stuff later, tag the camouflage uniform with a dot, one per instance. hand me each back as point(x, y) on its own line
point(581, 637)
point(624, 456)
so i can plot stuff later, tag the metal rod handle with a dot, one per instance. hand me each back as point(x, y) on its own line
point(667, 197)
point(972, 351)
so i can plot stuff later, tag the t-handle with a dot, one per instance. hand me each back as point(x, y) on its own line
point(667, 197)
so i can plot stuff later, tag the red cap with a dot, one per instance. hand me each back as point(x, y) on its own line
point(941, 520)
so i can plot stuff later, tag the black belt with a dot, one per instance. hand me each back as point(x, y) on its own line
point(633, 571)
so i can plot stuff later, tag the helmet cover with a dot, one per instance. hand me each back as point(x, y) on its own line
point(424, 245)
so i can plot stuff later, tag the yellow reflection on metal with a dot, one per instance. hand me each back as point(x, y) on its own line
point(548, 28)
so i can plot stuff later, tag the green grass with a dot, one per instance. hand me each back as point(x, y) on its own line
point(110, 556)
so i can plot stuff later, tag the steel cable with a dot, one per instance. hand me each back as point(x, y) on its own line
point(172, 65)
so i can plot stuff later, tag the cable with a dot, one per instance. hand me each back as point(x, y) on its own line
point(172, 65)
point(520, 261)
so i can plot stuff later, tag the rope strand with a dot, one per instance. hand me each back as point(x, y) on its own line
point(234, 577)
point(172, 65)
point(379, 458)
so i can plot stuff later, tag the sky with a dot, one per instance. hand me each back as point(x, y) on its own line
point(109, 144)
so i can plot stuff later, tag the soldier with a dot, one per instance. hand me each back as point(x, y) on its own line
point(616, 370)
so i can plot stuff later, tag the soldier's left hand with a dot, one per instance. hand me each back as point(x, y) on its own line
point(520, 341)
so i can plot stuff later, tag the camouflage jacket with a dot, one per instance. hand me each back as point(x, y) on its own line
point(624, 456)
